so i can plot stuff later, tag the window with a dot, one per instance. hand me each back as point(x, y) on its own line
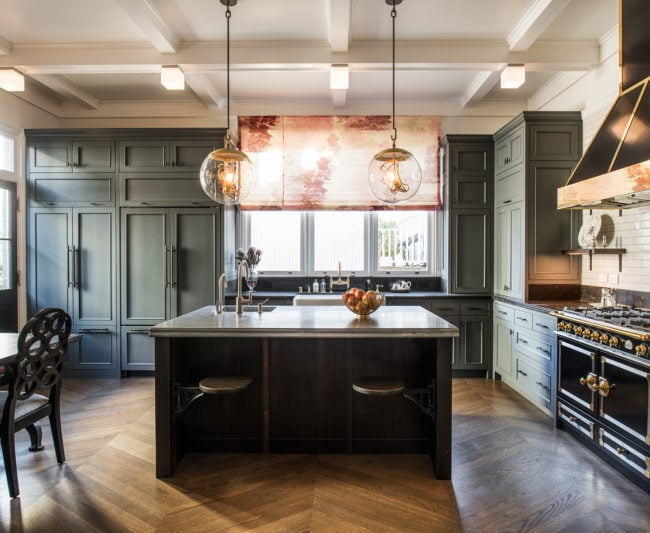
point(7, 153)
point(362, 243)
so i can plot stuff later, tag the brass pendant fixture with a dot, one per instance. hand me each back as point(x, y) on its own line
point(227, 174)
point(394, 175)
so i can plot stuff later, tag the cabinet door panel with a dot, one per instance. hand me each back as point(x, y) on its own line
point(162, 189)
point(502, 251)
point(553, 142)
point(471, 233)
point(50, 156)
point(473, 342)
point(93, 156)
point(471, 159)
point(194, 259)
point(144, 265)
point(144, 156)
point(189, 155)
point(50, 259)
point(503, 348)
point(550, 231)
point(48, 189)
point(97, 349)
point(94, 266)
point(137, 349)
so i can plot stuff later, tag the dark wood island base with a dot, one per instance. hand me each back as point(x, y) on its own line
point(301, 399)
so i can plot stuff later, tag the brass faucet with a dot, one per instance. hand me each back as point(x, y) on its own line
point(339, 281)
point(221, 289)
point(240, 301)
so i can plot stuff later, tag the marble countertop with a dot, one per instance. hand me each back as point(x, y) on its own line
point(307, 321)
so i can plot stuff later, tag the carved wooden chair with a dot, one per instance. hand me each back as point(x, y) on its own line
point(34, 387)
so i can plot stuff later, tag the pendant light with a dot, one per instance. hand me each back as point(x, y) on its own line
point(227, 174)
point(394, 175)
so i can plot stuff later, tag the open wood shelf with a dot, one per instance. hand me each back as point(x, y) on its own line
point(598, 251)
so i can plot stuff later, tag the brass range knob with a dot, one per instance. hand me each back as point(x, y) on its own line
point(586, 333)
point(613, 342)
point(604, 338)
point(577, 330)
point(595, 336)
point(604, 387)
point(641, 350)
point(562, 325)
point(591, 380)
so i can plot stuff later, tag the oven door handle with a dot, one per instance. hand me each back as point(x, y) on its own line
point(604, 387)
point(591, 380)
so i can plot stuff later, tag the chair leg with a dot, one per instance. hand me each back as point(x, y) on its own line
point(9, 456)
point(35, 436)
point(57, 437)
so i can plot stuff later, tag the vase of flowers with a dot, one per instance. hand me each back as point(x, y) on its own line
point(252, 257)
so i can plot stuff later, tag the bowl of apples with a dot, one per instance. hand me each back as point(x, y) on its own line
point(363, 303)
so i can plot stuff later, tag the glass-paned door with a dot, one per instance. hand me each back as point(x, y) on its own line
point(8, 292)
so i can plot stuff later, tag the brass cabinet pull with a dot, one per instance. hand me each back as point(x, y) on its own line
point(573, 419)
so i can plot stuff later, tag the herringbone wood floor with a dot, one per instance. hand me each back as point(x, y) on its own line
point(512, 472)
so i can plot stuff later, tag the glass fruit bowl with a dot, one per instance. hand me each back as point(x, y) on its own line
point(363, 303)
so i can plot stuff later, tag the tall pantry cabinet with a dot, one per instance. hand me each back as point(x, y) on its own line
point(121, 236)
point(534, 155)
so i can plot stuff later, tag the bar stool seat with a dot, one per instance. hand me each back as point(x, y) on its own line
point(224, 385)
point(379, 385)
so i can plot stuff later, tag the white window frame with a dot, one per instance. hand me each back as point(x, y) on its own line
point(371, 228)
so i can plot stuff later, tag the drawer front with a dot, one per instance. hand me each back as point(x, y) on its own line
point(140, 189)
point(523, 318)
point(510, 187)
point(545, 324)
point(533, 380)
point(504, 312)
point(575, 419)
point(474, 308)
point(624, 453)
point(540, 348)
point(445, 308)
point(66, 190)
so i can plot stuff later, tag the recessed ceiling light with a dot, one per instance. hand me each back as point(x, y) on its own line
point(172, 78)
point(11, 80)
point(513, 76)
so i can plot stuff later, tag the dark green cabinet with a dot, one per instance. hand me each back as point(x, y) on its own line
point(72, 265)
point(164, 155)
point(535, 154)
point(169, 262)
point(75, 156)
point(467, 163)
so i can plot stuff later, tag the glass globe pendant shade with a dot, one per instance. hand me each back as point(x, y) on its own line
point(394, 176)
point(227, 176)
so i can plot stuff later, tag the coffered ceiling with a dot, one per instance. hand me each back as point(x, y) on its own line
point(102, 58)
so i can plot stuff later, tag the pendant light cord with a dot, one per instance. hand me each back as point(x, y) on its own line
point(228, 141)
point(393, 136)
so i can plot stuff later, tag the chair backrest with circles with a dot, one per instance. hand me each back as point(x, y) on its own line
point(42, 345)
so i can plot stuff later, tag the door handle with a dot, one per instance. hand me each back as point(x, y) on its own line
point(174, 259)
point(94, 330)
point(70, 282)
point(76, 265)
point(165, 272)
point(138, 332)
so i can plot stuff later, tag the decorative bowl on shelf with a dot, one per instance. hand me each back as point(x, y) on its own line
point(363, 303)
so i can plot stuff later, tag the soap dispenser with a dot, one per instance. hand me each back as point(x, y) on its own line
point(315, 286)
point(323, 287)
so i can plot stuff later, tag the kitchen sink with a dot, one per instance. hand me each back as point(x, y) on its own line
point(248, 308)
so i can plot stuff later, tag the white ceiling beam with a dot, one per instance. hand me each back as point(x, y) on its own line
point(147, 17)
point(5, 46)
point(204, 88)
point(306, 55)
point(68, 90)
point(478, 88)
point(338, 24)
point(534, 23)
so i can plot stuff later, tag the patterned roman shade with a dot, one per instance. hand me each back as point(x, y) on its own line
point(320, 162)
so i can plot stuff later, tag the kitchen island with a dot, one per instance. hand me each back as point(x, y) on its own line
point(303, 361)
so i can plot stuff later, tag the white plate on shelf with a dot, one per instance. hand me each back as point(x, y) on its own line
point(400, 290)
point(588, 234)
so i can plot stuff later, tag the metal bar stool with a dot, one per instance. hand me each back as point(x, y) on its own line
point(423, 398)
point(184, 396)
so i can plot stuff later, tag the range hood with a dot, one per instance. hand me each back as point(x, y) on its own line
point(614, 172)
